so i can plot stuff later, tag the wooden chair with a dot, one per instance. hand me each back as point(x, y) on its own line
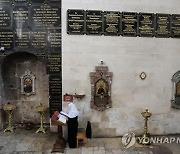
point(81, 135)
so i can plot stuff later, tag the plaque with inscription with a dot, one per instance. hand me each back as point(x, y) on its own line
point(5, 16)
point(55, 103)
point(6, 39)
point(45, 16)
point(146, 24)
point(54, 39)
point(53, 63)
point(22, 39)
point(55, 85)
point(175, 25)
point(21, 1)
point(129, 23)
point(112, 23)
point(20, 17)
point(162, 25)
point(54, 1)
point(41, 55)
point(37, 1)
point(38, 39)
point(75, 21)
point(55, 91)
point(94, 23)
point(5, 1)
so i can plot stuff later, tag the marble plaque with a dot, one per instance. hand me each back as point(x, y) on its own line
point(75, 22)
point(162, 25)
point(5, 16)
point(94, 23)
point(45, 16)
point(112, 23)
point(146, 24)
point(53, 63)
point(20, 17)
point(6, 39)
point(175, 25)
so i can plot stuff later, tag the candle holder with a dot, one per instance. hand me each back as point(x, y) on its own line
point(146, 114)
point(9, 108)
point(41, 109)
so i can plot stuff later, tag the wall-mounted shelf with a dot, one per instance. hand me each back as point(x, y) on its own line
point(79, 96)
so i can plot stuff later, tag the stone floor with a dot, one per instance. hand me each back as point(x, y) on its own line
point(23, 141)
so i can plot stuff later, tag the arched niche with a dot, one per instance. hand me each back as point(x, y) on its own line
point(101, 81)
point(18, 69)
point(175, 100)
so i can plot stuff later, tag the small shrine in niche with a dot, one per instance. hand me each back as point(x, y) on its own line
point(101, 81)
point(175, 100)
point(27, 83)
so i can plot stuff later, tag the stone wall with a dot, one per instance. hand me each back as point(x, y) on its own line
point(12, 68)
point(126, 57)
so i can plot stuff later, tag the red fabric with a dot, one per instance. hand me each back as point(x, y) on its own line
point(55, 116)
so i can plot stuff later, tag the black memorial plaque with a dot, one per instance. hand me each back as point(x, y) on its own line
point(53, 63)
point(146, 24)
point(5, 16)
point(54, 40)
point(38, 39)
point(55, 92)
point(6, 39)
point(94, 23)
point(175, 25)
point(45, 16)
point(54, 1)
point(162, 25)
point(41, 55)
point(112, 23)
point(22, 39)
point(55, 85)
point(21, 1)
point(20, 17)
point(129, 23)
point(5, 1)
point(75, 21)
point(55, 103)
point(37, 1)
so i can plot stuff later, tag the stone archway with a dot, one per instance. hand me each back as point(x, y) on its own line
point(12, 68)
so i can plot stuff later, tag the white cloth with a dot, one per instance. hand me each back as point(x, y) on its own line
point(73, 111)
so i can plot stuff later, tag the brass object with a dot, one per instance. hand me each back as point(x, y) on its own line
point(146, 114)
point(9, 108)
point(41, 109)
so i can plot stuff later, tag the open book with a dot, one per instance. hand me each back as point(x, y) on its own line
point(61, 117)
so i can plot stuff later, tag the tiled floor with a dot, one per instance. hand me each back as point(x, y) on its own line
point(23, 141)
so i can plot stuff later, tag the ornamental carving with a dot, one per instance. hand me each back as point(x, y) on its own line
point(175, 100)
point(27, 83)
point(101, 81)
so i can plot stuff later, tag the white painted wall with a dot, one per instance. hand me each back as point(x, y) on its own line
point(126, 57)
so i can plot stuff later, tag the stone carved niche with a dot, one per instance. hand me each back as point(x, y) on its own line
point(175, 100)
point(27, 83)
point(101, 81)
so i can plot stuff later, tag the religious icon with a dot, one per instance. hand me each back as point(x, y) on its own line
point(101, 81)
point(101, 94)
point(27, 83)
point(178, 88)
